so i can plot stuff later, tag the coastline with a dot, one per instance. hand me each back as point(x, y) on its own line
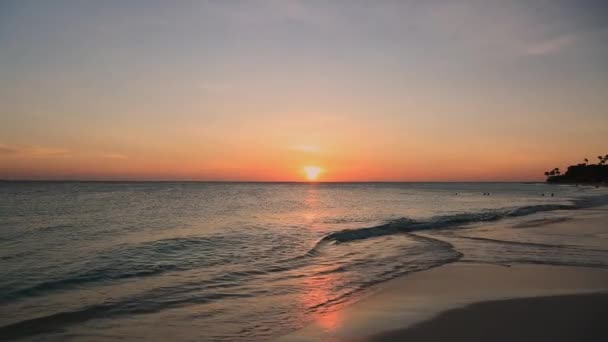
point(418, 306)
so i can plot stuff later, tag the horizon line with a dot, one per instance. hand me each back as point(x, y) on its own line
point(242, 181)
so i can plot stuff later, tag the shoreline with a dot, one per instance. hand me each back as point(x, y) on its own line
point(415, 307)
point(405, 302)
point(589, 184)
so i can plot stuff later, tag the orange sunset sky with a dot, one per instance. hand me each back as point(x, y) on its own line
point(259, 90)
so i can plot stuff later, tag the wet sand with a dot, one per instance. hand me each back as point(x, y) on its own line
point(466, 301)
point(557, 318)
point(421, 306)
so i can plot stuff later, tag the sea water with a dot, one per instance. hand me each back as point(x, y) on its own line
point(192, 261)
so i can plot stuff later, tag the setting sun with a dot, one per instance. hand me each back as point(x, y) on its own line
point(256, 168)
point(312, 172)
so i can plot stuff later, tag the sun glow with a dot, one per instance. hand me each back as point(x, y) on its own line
point(312, 172)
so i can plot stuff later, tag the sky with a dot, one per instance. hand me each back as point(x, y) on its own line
point(260, 90)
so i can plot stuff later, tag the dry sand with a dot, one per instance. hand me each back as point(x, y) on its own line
point(552, 319)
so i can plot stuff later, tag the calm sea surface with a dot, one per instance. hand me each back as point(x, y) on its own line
point(247, 261)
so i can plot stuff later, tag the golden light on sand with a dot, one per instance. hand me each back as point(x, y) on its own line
point(312, 172)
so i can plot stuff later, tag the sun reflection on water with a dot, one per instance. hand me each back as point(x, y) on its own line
point(316, 295)
point(311, 202)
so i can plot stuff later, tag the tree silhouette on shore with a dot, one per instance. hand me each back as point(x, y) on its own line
point(581, 173)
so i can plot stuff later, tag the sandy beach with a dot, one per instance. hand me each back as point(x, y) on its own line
point(466, 301)
point(555, 318)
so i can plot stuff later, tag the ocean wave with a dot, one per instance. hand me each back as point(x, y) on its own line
point(406, 225)
point(59, 321)
point(84, 278)
point(531, 244)
point(131, 261)
point(541, 222)
point(158, 257)
point(443, 251)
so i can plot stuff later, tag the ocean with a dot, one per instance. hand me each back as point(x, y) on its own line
point(196, 261)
